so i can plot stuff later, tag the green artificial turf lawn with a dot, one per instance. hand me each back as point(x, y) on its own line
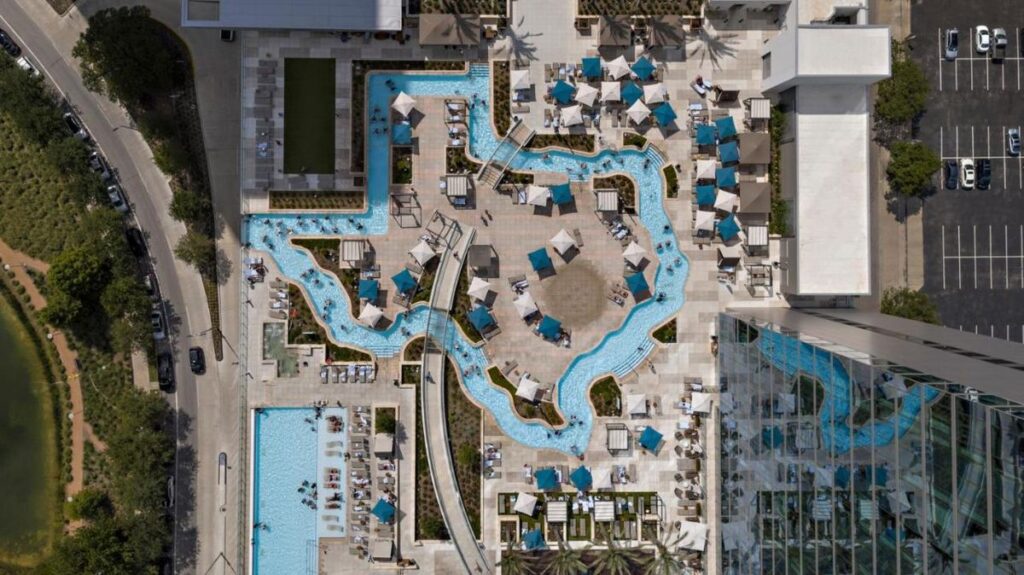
point(309, 115)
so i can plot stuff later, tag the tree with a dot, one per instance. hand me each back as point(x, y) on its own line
point(191, 208)
point(78, 272)
point(909, 304)
point(62, 310)
point(127, 304)
point(901, 97)
point(911, 166)
point(67, 155)
point(385, 422)
point(199, 251)
point(665, 561)
point(468, 455)
point(515, 562)
point(100, 547)
point(614, 559)
point(566, 561)
point(90, 505)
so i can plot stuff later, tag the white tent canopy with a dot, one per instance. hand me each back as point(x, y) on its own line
point(525, 503)
point(527, 389)
point(634, 253)
point(705, 220)
point(586, 94)
point(610, 92)
point(537, 195)
point(618, 68)
point(638, 112)
point(655, 93)
point(694, 535)
point(604, 511)
point(479, 288)
point(520, 79)
point(557, 511)
point(602, 478)
point(700, 402)
point(403, 104)
point(525, 305)
point(725, 201)
point(572, 116)
point(706, 169)
point(370, 315)
point(637, 404)
point(563, 242)
point(422, 253)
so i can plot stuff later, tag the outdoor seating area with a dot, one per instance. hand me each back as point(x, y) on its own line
point(531, 518)
point(373, 489)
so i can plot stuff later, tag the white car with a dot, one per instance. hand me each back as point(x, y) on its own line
point(967, 174)
point(982, 39)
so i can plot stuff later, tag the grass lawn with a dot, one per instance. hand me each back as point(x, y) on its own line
point(309, 115)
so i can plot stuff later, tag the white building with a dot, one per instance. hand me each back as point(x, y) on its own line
point(342, 15)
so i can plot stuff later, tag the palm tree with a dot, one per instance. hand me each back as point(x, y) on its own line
point(666, 561)
point(566, 561)
point(515, 562)
point(614, 559)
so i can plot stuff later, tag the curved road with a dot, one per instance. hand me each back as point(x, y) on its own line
point(206, 535)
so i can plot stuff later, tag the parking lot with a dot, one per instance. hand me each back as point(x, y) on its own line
point(973, 239)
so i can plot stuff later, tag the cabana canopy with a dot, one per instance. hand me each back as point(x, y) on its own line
point(525, 503)
point(638, 112)
point(527, 389)
point(563, 242)
point(370, 315)
point(457, 185)
point(705, 135)
point(562, 92)
point(369, 289)
point(643, 68)
point(725, 177)
point(728, 228)
point(618, 68)
point(634, 253)
point(592, 67)
point(706, 169)
point(636, 404)
point(384, 510)
point(404, 282)
point(618, 438)
point(607, 201)
point(756, 147)
point(655, 93)
point(610, 92)
point(631, 93)
point(422, 253)
point(479, 288)
point(533, 540)
point(705, 195)
point(637, 284)
point(650, 439)
point(700, 402)
point(353, 250)
point(664, 114)
point(403, 104)
point(537, 195)
point(525, 305)
point(694, 535)
point(481, 319)
point(561, 194)
point(557, 511)
point(604, 511)
point(726, 127)
point(602, 478)
point(572, 116)
point(383, 549)
point(586, 94)
point(539, 259)
point(401, 133)
point(581, 478)
point(756, 198)
point(480, 256)
point(520, 79)
point(725, 201)
point(550, 327)
point(705, 221)
point(546, 478)
point(729, 153)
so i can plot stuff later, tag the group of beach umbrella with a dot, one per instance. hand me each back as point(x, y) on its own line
point(721, 134)
point(639, 98)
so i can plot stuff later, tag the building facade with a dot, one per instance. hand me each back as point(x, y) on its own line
point(860, 443)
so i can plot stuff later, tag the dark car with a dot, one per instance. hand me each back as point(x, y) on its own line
point(9, 46)
point(197, 360)
point(951, 175)
point(165, 371)
point(99, 165)
point(136, 242)
point(984, 174)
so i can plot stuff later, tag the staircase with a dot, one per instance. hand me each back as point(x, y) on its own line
point(634, 359)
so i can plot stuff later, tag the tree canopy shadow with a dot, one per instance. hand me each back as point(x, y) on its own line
point(713, 48)
point(520, 48)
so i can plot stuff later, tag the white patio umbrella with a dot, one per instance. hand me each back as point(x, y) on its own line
point(520, 79)
point(602, 478)
point(706, 169)
point(525, 305)
point(610, 92)
point(422, 253)
point(725, 201)
point(537, 195)
point(705, 220)
point(634, 253)
point(563, 242)
point(655, 93)
point(525, 503)
point(586, 94)
point(527, 388)
point(370, 315)
point(700, 402)
point(638, 112)
point(637, 404)
point(572, 116)
point(618, 67)
point(403, 104)
point(479, 289)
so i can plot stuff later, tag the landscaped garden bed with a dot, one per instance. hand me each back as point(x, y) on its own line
point(401, 165)
point(502, 107)
point(672, 180)
point(476, 7)
point(412, 374)
point(544, 411)
point(577, 142)
point(463, 305)
point(633, 8)
point(521, 178)
point(623, 185)
point(634, 139)
point(606, 397)
point(667, 332)
point(318, 200)
point(457, 162)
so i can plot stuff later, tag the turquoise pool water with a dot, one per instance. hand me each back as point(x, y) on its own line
point(619, 352)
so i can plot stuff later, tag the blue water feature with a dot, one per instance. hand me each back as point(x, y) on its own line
point(619, 352)
point(792, 356)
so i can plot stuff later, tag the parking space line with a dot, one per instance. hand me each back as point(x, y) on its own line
point(992, 330)
point(1002, 70)
point(988, 66)
point(1006, 256)
point(1017, 36)
point(957, 150)
point(1004, 159)
point(943, 256)
point(991, 271)
point(988, 142)
point(941, 59)
point(942, 147)
point(959, 270)
point(971, 60)
point(973, 155)
point(1007, 332)
point(974, 236)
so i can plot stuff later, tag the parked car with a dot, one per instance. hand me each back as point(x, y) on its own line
point(165, 371)
point(9, 45)
point(98, 164)
point(150, 282)
point(197, 360)
point(116, 195)
point(1013, 141)
point(952, 177)
point(952, 44)
point(136, 242)
point(982, 39)
point(984, 174)
point(156, 318)
point(998, 44)
point(27, 66)
point(967, 174)
point(75, 126)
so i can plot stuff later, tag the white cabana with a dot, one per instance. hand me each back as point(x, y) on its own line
point(636, 404)
point(602, 478)
point(563, 242)
point(586, 94)
point(638, 112)
point(655, 93)
point(694, 535)
point(520, 79)
point(572, 116)
point(537, 195)
point(479, 288)
point(383, 549)
point(525, 503)
point(607, 201)
point(370, 315)
point(634, 253)
point(700, 402)
point(705, 220)
point(525, 305)
point(403, 104)
point(604, 511)
point(618, 68)
point(610, 92)
point(706, 169)
point(725, 201)
point(422, 253)
point(527, 389)
point(557, 511)
point(618, 438)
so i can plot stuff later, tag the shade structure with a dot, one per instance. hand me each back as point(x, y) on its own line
point(706, 169)
point(604, 511)
point(527, 389)
point(422, 253)
point(631, 93)
point(563, 242)
point(370, 315)
point(729, 153)
point(638, 112)
point(610, 92)
point(650, 439)
point(586, 94)
point(537, 195)
point(383, 549)
point(634, 253)
point(636, 404)
point(481, 319)
point(618, 438)
point(705, 220)
point(725, 201)
point(561, 194)
point(705, 195)
point(384, 510)
point(637, 285)
point(550, 327)
point(694, 536)
point(403, 104)
point(729, 228)
point(705, 134)
point(539, 259)
point(456, 185)
point(404, 282)
point(520, 79)
point(757, 148)
point(479, 288)
point(401, 134)
point(383, 443)
point(664, 114)
point(546, 478)
point(572, 116)
point(725, 177)
point(607, 200)
point(643, 68)
point(655, 93)
point(525, 305)
point(557, 511)
point(618, 68)
point(581, 478)
point(700, 402)
point(592, 67)
point(525, 503)
point(726, 127)
point(353, 250)
point(369, 289)
point(562, 91)
point(602, 478)
point(533, 540)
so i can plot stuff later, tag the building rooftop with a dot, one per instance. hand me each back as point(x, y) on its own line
point(831, 51)
point(356, 15)
point(449, 30)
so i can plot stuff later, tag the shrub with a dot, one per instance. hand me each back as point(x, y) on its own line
point(909, 304)
point(911, 167)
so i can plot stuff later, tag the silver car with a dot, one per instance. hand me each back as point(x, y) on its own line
point(952, 44)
